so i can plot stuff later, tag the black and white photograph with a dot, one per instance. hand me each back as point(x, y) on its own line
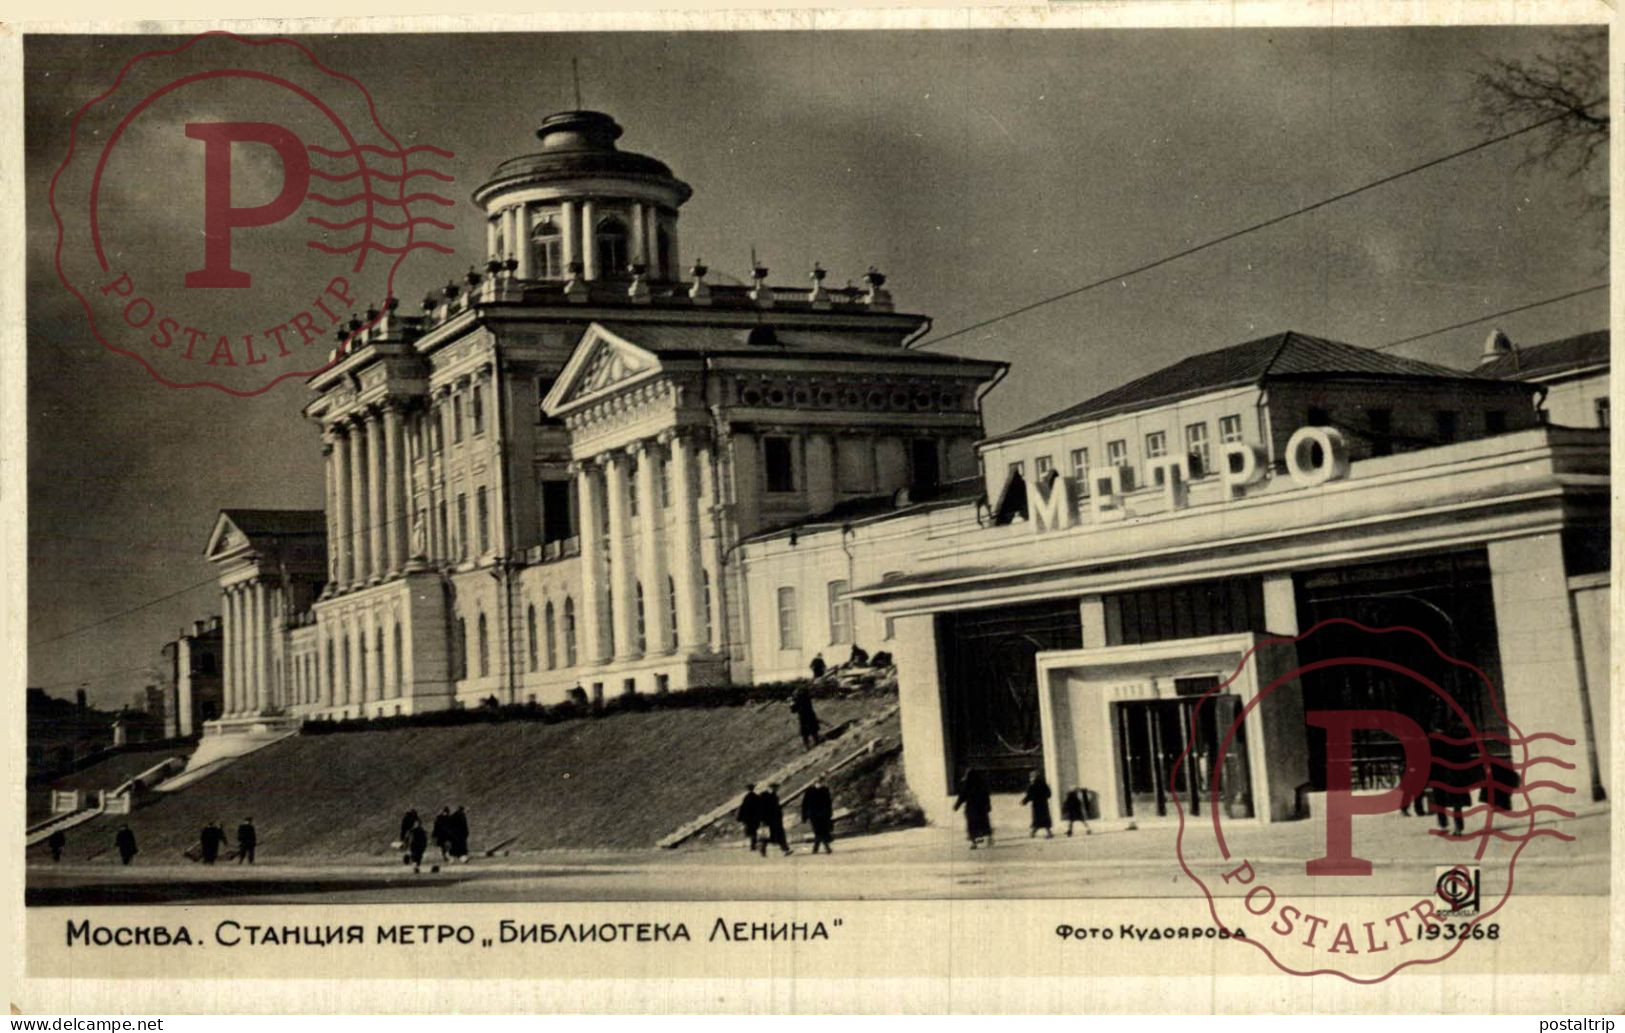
point(1058, 468)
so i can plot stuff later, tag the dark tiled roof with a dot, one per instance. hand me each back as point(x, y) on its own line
point(766, 340)
point(1288, 354)
point(1542, 360)
point(276, 522)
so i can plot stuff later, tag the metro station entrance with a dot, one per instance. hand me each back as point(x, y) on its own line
point(1152, 735)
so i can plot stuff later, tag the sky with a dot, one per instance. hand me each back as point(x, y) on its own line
point(980, 170)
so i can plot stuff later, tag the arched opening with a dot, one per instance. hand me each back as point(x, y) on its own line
point(400, 671)
point(643, 634)
point(485, 648)
point(552, 653)
point(610, 249)
point(569, 631)
point(547, 250)
point(530, 629)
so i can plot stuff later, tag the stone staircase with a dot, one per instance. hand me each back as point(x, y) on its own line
point(845, 745)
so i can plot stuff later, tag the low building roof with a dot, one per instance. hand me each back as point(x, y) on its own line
point(1283, 355)
point(1549, 359)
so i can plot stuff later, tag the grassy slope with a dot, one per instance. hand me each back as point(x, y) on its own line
point(620, 781)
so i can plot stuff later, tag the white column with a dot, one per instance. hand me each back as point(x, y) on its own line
point(338, 500)
point(589, 635)
point(395, 503)
point(589, 246)
point(521, 225)
point(651, 244)
point(710, 534)
point(569, 230)
point(640, 242)
point(685, 545)
point(330, 513)
point(651, 559)
point(256, 646)
point(375, 497)
point(491, 233)
point(355, 537)
point(228, 633)
point(623, 598)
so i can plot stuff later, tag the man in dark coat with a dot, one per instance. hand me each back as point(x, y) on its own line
point(442, 833)
point(750, 814)
point(1037, 796)
point(1450, 773)
point(801, 703)
point(408, 820)
point(57, 841)
point(210, 840)
point(818, 666)
point(818, 810)
point(978, 804)
point(125, 843)
point(457, 832)
point(417, 841)
point(772, 813)
point(247, 839)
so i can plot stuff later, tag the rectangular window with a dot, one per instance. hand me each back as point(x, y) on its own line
point(1380, 426)
point(1495, 422)
point(891, 629)
point(1199, 448)
point(1156, 444)
point(477, 409)
point(462, 525)
point(456, 418)
point(1602, 411)
point(789, 629)
point(483, 511)
point(1444, 425)
point(1117, 453)
point(1229, 428)
point(840, 614)
point(780, 464)
point(1041, 468)
point(1017, 467)
point(557, 513)
point(1080, 468)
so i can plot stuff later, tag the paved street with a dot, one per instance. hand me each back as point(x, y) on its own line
point(915, 863)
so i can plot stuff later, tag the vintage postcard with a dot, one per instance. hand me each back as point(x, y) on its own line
point(934, 511)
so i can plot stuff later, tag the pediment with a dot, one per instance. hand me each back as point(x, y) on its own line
point(602, 364)
point(227, 539)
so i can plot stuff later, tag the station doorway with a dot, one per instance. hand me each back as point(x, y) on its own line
point(1168, 750)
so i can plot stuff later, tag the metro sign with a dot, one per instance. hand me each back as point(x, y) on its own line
point(1314, 455)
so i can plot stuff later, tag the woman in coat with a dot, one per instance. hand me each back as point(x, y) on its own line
point(1037, 796)
point(1074, 811)
point(978, 804)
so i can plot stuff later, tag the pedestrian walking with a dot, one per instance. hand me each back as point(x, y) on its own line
point(750, 814)
point(1037, 797)
point(247, 840)
point(1451, 772)
point(772, 822)
point(124, 842)
point(818, 810)
point(801, 703)
point(409, 820)
point(417, 841)
point(210, 840)
point(818, 666)
point(457, 832)
point(978, 805)
point(57, 841)
point(1075, 808)
point(442, 833)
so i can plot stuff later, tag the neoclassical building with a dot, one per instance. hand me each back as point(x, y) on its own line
point(540, 481)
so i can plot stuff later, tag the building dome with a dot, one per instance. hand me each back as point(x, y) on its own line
point(581, 208)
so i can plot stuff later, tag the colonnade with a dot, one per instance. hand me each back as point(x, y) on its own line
point(367, 491)
point(621, 551)
point(508, 235)
point(247, 628)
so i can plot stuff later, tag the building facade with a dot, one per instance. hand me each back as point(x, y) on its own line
point(1572, 372)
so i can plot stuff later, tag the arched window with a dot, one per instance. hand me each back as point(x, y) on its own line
point(461, 664)
point(378, 642)
point(643, 636)
point(671, 612)
point(485, 649)
point(705, 591)
point(547, 250)
point(610, 247)
point(569, 632)
point(343, 693)
point(400, 669)
point(530, 627)
point(552, 650)
point(360, 679)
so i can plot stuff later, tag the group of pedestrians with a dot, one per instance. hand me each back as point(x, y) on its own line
point(212, 840)
point(449, 833)
point(762, 815)
point(977, 802)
